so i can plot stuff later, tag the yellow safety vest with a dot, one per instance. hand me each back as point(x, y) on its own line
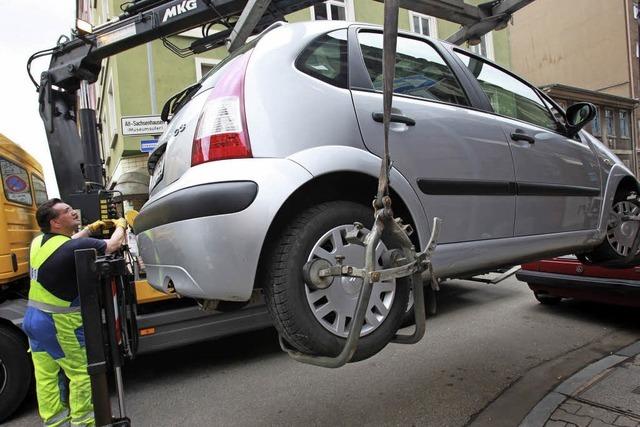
point(39, 297)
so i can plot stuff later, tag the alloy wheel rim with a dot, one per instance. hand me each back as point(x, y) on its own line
point(620, 234)
point(334, 307)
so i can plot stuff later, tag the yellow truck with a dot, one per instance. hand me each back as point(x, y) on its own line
point(23, 189)
point(164, 321)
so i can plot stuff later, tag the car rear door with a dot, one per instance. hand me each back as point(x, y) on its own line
point(557, 178)
point(459, 163)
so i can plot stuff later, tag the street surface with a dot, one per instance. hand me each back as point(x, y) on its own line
point(488, 356)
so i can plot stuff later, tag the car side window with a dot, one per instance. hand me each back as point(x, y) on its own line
point(557, 114)
point(420, 70)
point(509, 96)
point(325, 58)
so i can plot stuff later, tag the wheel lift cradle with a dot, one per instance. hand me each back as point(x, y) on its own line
point(107, 303)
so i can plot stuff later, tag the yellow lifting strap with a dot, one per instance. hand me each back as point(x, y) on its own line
point(38, 255)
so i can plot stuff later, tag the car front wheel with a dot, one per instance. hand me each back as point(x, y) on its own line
point(618, 243)
point(318, 321)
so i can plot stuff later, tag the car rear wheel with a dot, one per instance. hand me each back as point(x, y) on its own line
point(318, 321)
point(618, 243)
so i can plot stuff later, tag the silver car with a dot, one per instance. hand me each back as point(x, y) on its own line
point(271, 157)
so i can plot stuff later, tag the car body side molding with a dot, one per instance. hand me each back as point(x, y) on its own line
point(501, 188)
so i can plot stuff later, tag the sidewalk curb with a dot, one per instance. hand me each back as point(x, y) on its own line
point(540, 414)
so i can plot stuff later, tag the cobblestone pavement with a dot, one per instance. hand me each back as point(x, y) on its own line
point(576, 413)
point(604, 394)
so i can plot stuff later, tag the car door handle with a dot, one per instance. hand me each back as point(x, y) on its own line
point(396, 118)
point(518, 135)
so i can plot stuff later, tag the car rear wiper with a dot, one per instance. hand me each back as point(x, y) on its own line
point(177, 101)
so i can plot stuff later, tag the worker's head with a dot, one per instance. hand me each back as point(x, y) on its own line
point(55, 216)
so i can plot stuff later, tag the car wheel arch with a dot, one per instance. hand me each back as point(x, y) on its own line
point(627, 185)
point(618, 181)
point(339, 185)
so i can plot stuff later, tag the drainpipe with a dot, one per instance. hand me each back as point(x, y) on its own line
point(152, 80)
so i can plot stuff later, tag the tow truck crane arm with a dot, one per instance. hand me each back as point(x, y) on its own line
point(76, 63)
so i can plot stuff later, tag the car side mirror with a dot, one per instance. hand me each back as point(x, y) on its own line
point(579, 115)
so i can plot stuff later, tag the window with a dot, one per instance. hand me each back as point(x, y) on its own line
point(104, 146)
point(423, 24)
point(596, 128)
point(112, 126)
point(485, 47)
point(509, 96)
point(624, 123)
point(333, 10)
point(420, 70)
point(15, 181)
point(204, 65)
point(39, 190)
point(105, 11)
point(325, 58)
point(557, 114)
point(608, 120)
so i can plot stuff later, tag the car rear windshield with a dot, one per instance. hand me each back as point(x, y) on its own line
point(244, 49)
point(325, 58)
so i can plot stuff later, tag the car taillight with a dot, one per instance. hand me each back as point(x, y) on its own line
point(222, 130)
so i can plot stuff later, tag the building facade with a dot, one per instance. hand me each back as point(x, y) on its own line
point(585, 50)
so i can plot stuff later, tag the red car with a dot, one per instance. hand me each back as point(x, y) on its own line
point(566, 277)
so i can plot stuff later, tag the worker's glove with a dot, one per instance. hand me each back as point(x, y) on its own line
point(96, 226)
point(121, 222)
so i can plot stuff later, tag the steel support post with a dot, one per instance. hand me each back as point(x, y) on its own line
point(89, 137)
point(97, 363)
point(100, 318)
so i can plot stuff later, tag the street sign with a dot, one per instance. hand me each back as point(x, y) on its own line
point(142, 125)
point(147, 145)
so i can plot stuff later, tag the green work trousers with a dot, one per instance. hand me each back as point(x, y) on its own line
point(57, 343)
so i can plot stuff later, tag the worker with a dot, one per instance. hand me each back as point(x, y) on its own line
point(53, 321)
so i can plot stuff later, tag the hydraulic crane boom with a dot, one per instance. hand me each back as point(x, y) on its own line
point(76, 63)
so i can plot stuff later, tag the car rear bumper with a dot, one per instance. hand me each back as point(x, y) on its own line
point(203, 234)
point(598, 289)
point(197, 202)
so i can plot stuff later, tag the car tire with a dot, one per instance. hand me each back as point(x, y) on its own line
point(16, 371)
point(614, 250)
point(546, 299)
point(316, 321)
